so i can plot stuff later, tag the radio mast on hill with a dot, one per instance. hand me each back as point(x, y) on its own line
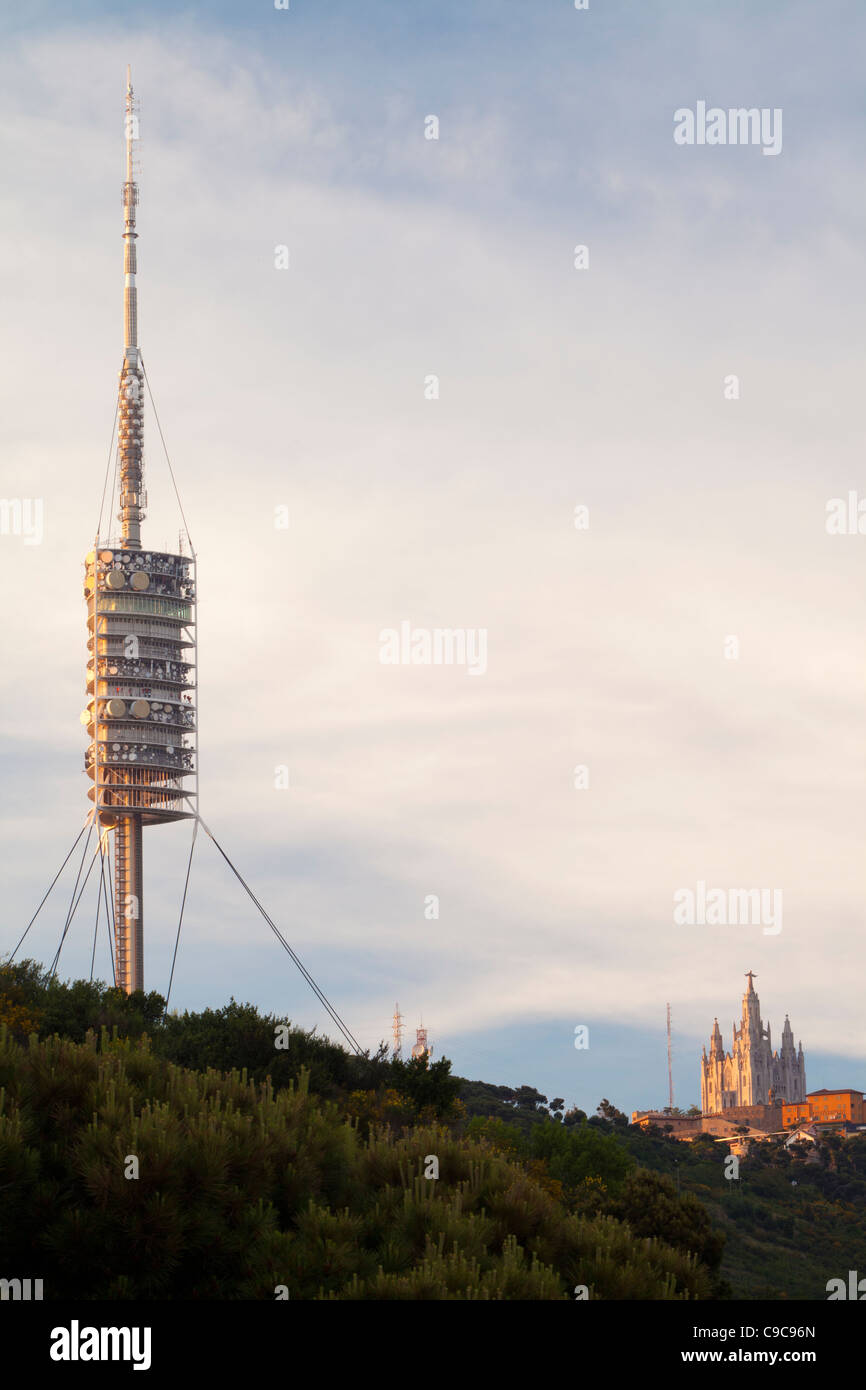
point(141, 672)
point(142, 679)
point(670, 1066)
point(397, 1032)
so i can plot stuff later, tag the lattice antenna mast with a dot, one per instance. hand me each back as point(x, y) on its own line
point(670, 1067)
point(398, 1031)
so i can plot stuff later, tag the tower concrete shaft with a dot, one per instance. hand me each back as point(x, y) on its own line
point(128, 881)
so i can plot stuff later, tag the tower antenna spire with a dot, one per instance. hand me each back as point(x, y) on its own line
point(130, 433)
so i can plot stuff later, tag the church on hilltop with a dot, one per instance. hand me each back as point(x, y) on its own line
point(752, 1073)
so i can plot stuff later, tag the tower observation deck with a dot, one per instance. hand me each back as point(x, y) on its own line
point(141, 672)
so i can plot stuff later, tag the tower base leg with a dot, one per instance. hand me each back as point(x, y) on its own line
point(128, 886)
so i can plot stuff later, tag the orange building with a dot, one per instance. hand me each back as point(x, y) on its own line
point(825, 1105)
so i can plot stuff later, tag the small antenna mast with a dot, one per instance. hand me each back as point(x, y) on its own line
point(670, 1068)
point(398, 1032)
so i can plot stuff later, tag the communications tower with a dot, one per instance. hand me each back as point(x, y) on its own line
point(397, 1032)
point(421, 1047)
point(141, 672)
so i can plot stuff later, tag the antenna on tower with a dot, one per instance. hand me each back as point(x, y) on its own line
point(398, 1032)
point(422, 1048)
point(670, 1068)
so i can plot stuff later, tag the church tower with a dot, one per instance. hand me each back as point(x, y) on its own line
point(751, 1073)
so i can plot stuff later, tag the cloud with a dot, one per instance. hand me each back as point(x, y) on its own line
point(558, 387)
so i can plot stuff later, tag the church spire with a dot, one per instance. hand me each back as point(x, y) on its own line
point(751, 1006)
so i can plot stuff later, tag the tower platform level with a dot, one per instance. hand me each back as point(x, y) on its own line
point(140, 714)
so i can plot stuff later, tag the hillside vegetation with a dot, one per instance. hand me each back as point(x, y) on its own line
point(270, 1159)
point(790, 1221)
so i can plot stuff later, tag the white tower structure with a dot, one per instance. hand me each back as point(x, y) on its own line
point(421, 1047)
point(141, 677)
point(751, 1073)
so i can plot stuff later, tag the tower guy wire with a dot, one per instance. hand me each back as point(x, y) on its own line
point(352, 1041)
point(180, 918)
point(73, 907)
point(48, 891)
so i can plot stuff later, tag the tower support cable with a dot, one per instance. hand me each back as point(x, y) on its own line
point(50, 886)
point(180, 918)
point(73, 909)
point(90, 820)
point(98, 906)
point(101, 895)
point(352, 1041)
point(105, 484)
point(109, 914)
point(165, 451)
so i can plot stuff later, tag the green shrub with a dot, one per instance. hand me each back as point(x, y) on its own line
point(242, 1188)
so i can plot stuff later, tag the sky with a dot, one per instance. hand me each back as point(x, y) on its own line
point(696, 646)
